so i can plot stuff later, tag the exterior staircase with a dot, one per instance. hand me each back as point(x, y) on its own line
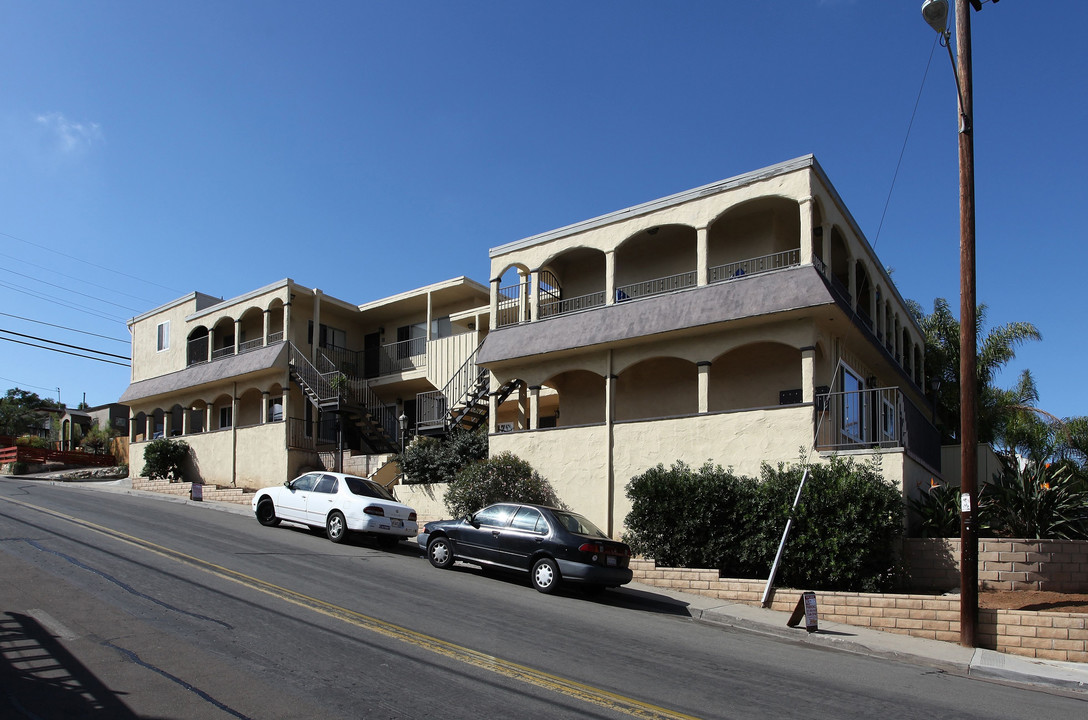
point(462, 403)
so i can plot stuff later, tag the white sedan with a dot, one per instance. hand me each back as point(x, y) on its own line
point(338, 503)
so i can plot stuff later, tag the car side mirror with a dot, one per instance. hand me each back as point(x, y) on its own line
point(287, 484)
point(471, 521)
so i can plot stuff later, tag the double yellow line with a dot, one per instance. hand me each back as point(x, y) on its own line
point(459, 653)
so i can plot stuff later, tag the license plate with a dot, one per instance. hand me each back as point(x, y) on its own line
point(610, 560)
point(397, 523)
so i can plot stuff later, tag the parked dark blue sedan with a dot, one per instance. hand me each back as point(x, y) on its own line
point(551, 545)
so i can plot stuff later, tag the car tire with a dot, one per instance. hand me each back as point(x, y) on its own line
point(388, 542)
point(440, 552)
point(266, 513)
point(545, 576)
point(336, 527)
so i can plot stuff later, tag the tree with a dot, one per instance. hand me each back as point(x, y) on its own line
point(503, 478)
point(438, 460)
point(21, 411)
point(995, 350)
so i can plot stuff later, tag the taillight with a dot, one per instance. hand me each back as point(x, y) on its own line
point(374, 510)
point(591, 548)
point(603, 549)
point(411, 517)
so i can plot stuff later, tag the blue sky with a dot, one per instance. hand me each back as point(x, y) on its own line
point(148, 150)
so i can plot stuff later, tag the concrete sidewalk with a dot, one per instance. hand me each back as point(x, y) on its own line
point(849, 638)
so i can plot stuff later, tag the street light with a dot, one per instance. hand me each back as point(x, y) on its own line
point(403, 422)
point(935, 13)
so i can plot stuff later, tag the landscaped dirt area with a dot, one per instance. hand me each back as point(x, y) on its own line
point(1033, 600)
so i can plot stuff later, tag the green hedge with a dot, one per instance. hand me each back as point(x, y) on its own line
point(844, 536)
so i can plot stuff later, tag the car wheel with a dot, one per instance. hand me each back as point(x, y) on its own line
point(336, 527)
point(266, 513)
point(388, 541)
point(440, 553)
point(546, 575)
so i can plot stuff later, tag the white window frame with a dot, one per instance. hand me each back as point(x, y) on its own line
point(162, 336)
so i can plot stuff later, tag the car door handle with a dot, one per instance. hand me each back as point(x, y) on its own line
point(539, 541)
point(494, 533)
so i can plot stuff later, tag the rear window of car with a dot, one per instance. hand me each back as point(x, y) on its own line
point(366, 488)
point(577, 524)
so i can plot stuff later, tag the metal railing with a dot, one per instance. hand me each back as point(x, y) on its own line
point(275, 337)
point(223, 352)
point(875, 418)
point(432, 407)
point(755, 266)
point(246, 346)
point(657, 286)
point(197, 351)
point(569, 305)
point(513, 306)
point(404, 355)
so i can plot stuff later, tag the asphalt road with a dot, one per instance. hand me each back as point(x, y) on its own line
point(123, 606)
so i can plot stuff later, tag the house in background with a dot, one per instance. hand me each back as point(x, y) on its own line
point(742, 322)
point(286, 378)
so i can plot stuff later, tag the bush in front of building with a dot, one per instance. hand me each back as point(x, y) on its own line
point(844, 533)
point(503, 478)
point(164, 459)
point(438, 460)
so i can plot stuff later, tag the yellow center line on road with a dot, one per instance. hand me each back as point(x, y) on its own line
point(506, 668)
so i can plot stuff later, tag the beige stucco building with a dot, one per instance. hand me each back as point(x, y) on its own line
point(743, 322)
point(285, 377)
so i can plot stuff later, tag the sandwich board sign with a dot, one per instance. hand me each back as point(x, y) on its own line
point(806, 608)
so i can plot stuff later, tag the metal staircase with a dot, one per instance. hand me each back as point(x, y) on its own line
point(361, 413)
point(462, 403)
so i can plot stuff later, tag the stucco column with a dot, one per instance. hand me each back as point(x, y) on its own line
point(852, 271)
point(534, 407)
point(494, 302)
point(167, 424)
point(286, 320)
point(492, 408)
point(702, 255)
point(209, 413)
point(805, 209)
point(149, 426)
point(264, 406)
point(826, 238)
point(267, 326)
point(523, 407)
point(523, 297)
point(211, 343)
point(534, 295)
point(808, 374)
point(237, 335)
point(610, 277)
point(132, 426)
point(186, 424)
point(704, 385)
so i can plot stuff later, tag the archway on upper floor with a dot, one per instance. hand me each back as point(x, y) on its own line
point(196, 346)
point(224, 338)
point(762, 374)
point(573, 280)
point(840, 263)
point(513, 302)
point(580, 398)
point(818, 231)
point(252, 330)
point(656, 388)
point(754, 236)
point(275, 320)
point(864, 290)
point(657, 260)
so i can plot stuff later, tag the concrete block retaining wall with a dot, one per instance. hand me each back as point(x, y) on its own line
point(1003, 564)
point(1052, 636)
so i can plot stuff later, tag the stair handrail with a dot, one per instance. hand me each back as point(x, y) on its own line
point(358, 392)
point(455, 393)
point(318, 383)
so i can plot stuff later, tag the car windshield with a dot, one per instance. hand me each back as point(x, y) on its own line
point(367, 488)
point(577, 524)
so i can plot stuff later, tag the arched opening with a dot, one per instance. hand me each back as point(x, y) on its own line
point(840, 264)
point(864, 293)
point(658, 260)
point(513, 301)
point(275, 321)
point(249, 408)
point(754, 237)
point(579, 398)
point(658, 387)
point(224, 339)
point(252, 330)
point(758, 375)
point(572, 281)
point(196, 347)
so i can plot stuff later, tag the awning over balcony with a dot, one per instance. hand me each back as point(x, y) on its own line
point(775, 292)
point(265, 358)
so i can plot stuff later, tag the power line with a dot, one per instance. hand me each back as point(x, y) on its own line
point(65, 352)
point(74, 347)
point(75, 292)
point(62, 327)
point(115, 291)
point(87, 262)
point(903, 150)
point(55, 301)
point(19, 385)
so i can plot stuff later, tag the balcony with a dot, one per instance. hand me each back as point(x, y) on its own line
point(875, 418)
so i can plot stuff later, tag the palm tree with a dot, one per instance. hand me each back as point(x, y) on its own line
point(995, 349)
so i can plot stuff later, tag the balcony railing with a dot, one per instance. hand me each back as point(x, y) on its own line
point(657, 286)
point(249, 345)
point(223, 352)
point(876, 418)
point(569, 305)
point(755, 266)
point(404, 355)
point(513, 305)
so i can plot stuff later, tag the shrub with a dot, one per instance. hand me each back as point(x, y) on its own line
point(19, 468)
point(937, 509)
point(96, 440)
point(843, 537)
point(503, 478)
point(434, 460)
point(164, 458)
point(1039, 502)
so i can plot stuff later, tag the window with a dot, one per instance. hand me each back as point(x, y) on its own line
point(275, 409)
point(887, 420)
point(306, 482)
point(495, 516)
point(327, 336)
point(529, 519)
point(327, 484)
point(853, 406)
point(163, 336)
point(226, 416)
